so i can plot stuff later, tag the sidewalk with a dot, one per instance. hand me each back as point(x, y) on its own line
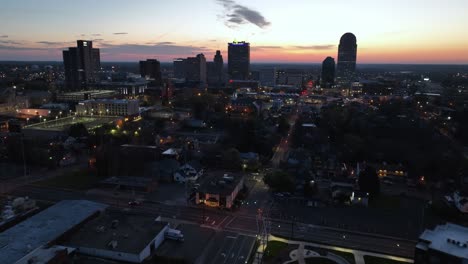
point(358, 254)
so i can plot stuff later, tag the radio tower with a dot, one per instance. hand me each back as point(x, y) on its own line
point(263, 231)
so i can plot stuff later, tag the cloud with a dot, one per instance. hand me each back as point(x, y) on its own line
point(316, 47)
point(9, 47)
point(161, 43)
point(51, 42)
point(236, 15)
point(3, 36)
point(11, 42)
point(97, 40)
point(95, 35)
point(260, 48)
point(156, 49)
point(120, 33)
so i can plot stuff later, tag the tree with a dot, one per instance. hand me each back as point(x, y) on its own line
point(369, 181)
point(283, 126)
point(78, 130)
point(231, 159)
point(280, 181)
point(159, 125)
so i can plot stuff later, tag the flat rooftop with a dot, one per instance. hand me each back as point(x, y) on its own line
point(128, 181)
point(63, 124)
point(132, 233)
point(40, 229)
point(216, 183)
point(444, 238)
point(90, 92)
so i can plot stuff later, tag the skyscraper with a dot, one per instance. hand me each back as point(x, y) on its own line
point(239, 60)
point(347, 52)
point(193, 69)
point(215, 69)
point(219, 66)
point(82, 65)
point(151, 68)
point(328, 72)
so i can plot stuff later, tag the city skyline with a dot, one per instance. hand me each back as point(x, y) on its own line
point(394, 32)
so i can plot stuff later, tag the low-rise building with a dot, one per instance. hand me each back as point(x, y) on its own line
point(220, 189)
point(126, 88)
point(74, 97)
point(44, 228)
point(445, 244)
point(108, 107)
point(119, 236)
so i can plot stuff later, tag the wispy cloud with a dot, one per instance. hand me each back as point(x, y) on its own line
point(261, 48)
point(3, 36)
point(236, 14)
point(161, 43)
point(11, 42)
point(156, 49)
point(96, 35)
point(120, 33)
point(52, 42)
point(316, 47)
point(10, 47)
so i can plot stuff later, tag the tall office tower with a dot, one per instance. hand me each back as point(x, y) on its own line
point(328, 72)
point(214, 71)
point(151, 68)
point(179, 68)
point(82, 65)
point(239, 60)
point(219, 66)
point(347, 52)
point(193, 69)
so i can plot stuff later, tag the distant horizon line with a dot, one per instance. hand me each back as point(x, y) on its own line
point(273, 62)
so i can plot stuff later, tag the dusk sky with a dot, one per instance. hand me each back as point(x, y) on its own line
point(398, 31)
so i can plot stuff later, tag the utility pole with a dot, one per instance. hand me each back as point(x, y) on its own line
point(292, 228)
point(24, 158)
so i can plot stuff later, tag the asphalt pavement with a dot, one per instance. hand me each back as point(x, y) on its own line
point(241, 224)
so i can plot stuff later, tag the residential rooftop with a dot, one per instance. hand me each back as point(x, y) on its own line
point(40, 229)
point(222, 183)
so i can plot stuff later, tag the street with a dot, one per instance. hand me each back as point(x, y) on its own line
point(244, 221)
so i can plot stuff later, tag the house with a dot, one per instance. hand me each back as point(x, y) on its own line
point(461, 202)
point(219, 189)
point(190, 171)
